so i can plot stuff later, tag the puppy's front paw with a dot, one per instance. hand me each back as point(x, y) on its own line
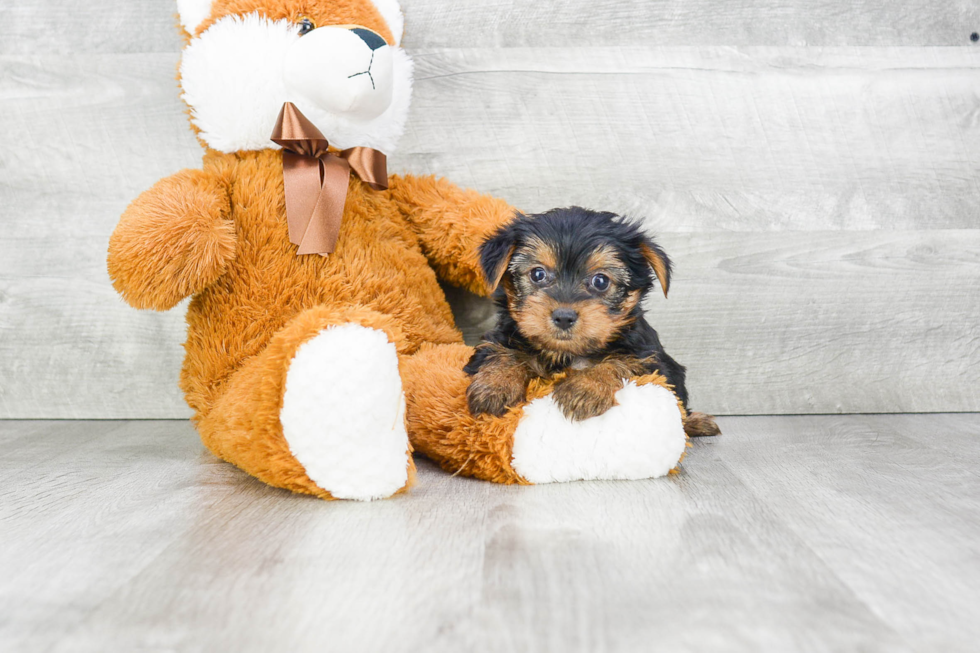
point(493, 397)
point(580, 396)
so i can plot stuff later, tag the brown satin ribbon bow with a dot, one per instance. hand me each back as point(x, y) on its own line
point(315, 180)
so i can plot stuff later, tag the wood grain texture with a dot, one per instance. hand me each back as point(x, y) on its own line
point(820, 205)
point(820, 322)
point(138, 483)
point(85, 135)
point(909, 493)
point(67, 27)
point(700, 139)
point(785, 534)
point(64, 27)
point(568, 23)
point(766, 323)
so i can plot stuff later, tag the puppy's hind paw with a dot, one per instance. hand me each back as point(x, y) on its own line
point(698, 425)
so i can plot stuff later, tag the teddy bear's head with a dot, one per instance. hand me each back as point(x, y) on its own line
point(338, 61)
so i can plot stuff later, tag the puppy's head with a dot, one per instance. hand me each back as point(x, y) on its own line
point(573, 278)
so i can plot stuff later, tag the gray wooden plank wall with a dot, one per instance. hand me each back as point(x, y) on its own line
point(811, 167)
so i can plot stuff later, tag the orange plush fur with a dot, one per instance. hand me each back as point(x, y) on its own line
point(256, 301)
point(443, 429)
point(335, 12)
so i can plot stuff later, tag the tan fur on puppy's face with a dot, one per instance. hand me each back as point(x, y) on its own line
point(600, 315)
point(595, 327)
point(322, 13)
point(605, 259)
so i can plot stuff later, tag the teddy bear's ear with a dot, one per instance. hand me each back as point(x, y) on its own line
point(392, 14)
point(496, 252)
point(193, 13)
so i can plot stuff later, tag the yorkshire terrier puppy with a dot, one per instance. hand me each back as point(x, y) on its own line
point(570, 284)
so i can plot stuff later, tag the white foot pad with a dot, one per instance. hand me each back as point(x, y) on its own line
point(642, 437)
point(343, 413)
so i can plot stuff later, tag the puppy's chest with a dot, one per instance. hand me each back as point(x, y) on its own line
point(545, 367)
point(545, 364)
point(580, 363)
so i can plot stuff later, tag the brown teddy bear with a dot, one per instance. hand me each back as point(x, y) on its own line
point(320, 347)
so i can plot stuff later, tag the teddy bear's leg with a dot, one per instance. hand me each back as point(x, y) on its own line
point(641, 437)
point(320, 410)
point(440, 424)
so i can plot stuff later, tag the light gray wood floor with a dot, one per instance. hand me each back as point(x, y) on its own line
point(813, 533)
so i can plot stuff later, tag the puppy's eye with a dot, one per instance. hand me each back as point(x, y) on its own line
point(600, 282)
point(538, 275)
point(306, 26)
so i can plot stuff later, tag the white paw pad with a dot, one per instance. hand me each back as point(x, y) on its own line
point(343, 413)
point(641, 437)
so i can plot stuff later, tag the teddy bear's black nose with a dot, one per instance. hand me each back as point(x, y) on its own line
point(372, 39)
point(564, 318)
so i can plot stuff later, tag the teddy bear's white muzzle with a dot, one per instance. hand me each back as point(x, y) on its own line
point(343, 70)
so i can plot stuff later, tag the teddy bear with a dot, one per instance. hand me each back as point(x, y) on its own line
point(320, 349)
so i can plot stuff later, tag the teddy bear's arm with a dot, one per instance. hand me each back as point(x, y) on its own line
point(174, 240)
point(451, 223)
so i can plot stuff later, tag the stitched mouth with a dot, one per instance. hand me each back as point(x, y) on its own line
point(366, 72)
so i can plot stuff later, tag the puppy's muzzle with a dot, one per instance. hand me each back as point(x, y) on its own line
point(564, 318)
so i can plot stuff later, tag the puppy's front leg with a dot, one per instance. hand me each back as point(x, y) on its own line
point(592, 391)
point(499, 383)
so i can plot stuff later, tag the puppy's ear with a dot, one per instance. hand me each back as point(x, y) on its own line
point(495, 253)
point(657, 258)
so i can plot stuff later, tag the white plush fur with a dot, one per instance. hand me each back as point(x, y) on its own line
point(392, 13)
point(343, 413)
point(232, 77)
point(642, 437)
point(192, 13)
point(333, 69)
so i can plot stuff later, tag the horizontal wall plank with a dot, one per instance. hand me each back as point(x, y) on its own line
point(69, 27)
point(576, 23)
point(101, 126)
point(706, 139)
point(766, 323)
point(827, 322)
point(710, 138)
point(72, 349)
point(83, 136)
point(60, 27)
point(729, 154)
point(820, 322)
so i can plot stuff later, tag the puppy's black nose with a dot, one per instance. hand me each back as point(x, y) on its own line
point(372, 39)
point(564, 318)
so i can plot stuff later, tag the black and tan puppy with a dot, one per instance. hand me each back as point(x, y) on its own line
point(570, 284)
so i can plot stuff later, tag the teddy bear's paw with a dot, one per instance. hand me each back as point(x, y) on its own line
point(343, 413)
point(641, 437)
